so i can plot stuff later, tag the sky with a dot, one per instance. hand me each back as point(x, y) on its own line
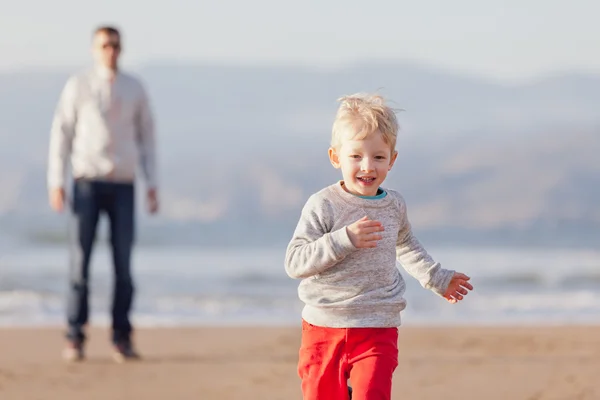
point(506, 40)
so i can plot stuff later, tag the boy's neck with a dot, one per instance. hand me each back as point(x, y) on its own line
point(379, 194)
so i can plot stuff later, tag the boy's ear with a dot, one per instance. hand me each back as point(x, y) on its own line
point(334, 158)
point(393, 160)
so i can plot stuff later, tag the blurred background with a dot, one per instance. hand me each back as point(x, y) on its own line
point(498, 150)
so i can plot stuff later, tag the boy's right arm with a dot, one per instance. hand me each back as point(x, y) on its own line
point(313, 248)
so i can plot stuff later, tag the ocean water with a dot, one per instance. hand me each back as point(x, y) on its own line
point(186, 286)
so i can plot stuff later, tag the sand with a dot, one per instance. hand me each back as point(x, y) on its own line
point(531, 363)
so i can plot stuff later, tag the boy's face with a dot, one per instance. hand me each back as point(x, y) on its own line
point(364, 163)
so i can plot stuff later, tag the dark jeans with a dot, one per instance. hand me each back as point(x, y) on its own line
point(90, 199)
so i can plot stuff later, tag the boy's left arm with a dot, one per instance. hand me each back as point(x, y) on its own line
point(417, 262)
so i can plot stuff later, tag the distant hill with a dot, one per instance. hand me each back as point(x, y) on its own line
point(242, 148)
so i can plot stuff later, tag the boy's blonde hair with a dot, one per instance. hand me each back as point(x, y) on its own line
point(364, 114)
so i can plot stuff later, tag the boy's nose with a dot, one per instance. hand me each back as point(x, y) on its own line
point(366, 165)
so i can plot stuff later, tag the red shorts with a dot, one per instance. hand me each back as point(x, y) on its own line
point(331, 356)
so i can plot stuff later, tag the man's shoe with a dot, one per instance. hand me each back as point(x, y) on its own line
point(73, 352)
point(124, 351)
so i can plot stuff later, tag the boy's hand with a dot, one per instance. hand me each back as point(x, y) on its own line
point(458, 288)
point(363, 233)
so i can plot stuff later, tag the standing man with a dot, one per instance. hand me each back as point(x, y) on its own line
point(102, 127)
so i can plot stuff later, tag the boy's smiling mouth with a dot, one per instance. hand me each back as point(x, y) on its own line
point(366, 179)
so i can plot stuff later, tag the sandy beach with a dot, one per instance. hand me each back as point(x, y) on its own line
point(529, 363)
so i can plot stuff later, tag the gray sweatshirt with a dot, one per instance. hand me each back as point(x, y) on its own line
point(103, 129)
point(346, 287)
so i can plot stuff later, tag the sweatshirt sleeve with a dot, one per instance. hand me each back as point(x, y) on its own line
point(314, 248)
point(147, 139)
point(61, 135)
point(415, 259)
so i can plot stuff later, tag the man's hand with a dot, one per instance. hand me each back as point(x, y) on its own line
point(57, 199)
point(363, 233)
point(458, 287)
point(152, 201)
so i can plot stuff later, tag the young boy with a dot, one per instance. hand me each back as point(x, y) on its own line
point(345, 248)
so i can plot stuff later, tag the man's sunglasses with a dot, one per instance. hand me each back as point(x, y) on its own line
point(116, 46)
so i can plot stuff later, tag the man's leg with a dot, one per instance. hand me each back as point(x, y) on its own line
point(121, 211)
point(82, 232)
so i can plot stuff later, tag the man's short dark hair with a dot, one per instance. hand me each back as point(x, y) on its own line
point(108, 29)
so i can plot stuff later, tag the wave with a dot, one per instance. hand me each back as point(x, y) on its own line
point(548, 302)
point(541, 279)
point(20, 307)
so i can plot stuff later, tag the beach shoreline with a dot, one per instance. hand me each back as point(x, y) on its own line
point(502, 362)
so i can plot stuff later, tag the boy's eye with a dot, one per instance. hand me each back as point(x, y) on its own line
point(354, 156)
point(380, 158)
